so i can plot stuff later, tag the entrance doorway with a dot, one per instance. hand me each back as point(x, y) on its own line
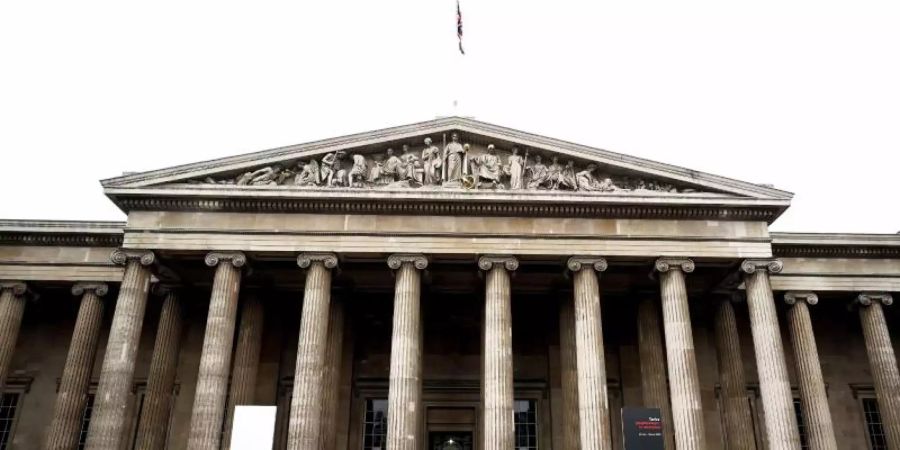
point(450, 440)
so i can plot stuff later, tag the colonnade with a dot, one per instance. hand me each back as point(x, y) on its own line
point(664, 356)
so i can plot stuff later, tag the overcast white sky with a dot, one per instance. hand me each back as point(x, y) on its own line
point(801, 94)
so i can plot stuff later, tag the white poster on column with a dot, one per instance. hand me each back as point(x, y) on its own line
point(253, 427)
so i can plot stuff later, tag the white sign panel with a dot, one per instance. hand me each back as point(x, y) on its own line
point(253, 428)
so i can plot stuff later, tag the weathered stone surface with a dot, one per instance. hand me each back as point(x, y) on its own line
point(814, 399)
point(246, 361)
point(569, 373)
point(687, 407)
point(499, 432)
point(593, 403)
point(405, 390)
point(334, 361)
point(65, 426)
point(154, 421)
point(12, 307)
point(735, 405)
point(208, 413)
point(108, 420)
point(774, 385)
point(654, 381)
point(883, 361)
point(305, 425)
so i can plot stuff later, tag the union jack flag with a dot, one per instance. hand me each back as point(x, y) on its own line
point(459, 32)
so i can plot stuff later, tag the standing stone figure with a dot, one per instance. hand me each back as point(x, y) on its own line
point(515, 168)
point(431, 158)
point(454, 154)
point(554, 173)
point(539, 173)
point(487, 167)
point(330, 165)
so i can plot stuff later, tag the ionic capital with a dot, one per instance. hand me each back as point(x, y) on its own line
point(121, 256)
point(396, 260)
point(17, 287)
point(750, 266)
point(237, 259)
point(792, 298)
point(576, 263)
point(100, 289)
point(329, 260)
point(487, 262)
point(666, 264)
point(867, 298)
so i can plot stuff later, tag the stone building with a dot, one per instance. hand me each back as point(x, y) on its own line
point(388, 291)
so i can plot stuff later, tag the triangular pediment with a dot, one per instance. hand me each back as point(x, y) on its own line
point(364, 157)
point(446, 159)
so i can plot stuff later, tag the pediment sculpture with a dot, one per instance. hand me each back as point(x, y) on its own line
point(456, 165)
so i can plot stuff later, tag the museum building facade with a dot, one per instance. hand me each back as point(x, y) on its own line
point(445, 285)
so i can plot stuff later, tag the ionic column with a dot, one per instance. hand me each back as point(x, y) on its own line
point(569, 375)
point(305, 425)
point(153, 427)
point(816, 414)
point(499, 427)
point(12, 307)
point(109, 418)
point(208, 412)
point(246, 361)
point(76, 378)
point(593, 403)
point(735, 407)
point(404, 392)
point(774, 385)
point(684, 383)
point(654, 384)
point(883, 362)
point(334, 358)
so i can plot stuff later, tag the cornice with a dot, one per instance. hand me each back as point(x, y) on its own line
point(836, 245)
point(61, 233)
point(470, 205)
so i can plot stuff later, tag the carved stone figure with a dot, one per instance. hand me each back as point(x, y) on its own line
point(411, 166)
point(487, 167)
point(567, 177)
point(454, 157)
point(431, 161)
point(554, 173)
point(358, 172)
point(393, 166)
point(331, 164)
point(539, 173)
point(261, 177)
point(585, 179)
point(515, 168)
point(309, 174)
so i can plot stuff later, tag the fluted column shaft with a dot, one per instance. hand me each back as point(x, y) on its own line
point(735, 407)
point(654, 384)
point(246, 361)
point(684, 383)
point(76, 378)
point(305, 424)
point(816, 415)
point(109, 417)
point(12, 308)
point(404, 392)
point(569, 375)
point(208, 411)
point(499, 426)
point(774, 385)
point(593, 403)
point(334, 357)
point(883, 362)
point(153, 427)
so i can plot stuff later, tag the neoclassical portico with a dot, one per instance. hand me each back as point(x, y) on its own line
point(485, 288)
